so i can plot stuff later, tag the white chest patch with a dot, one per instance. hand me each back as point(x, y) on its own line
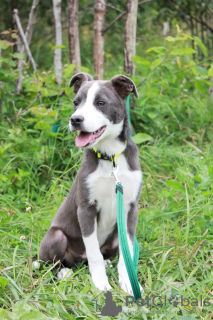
point(102, 189)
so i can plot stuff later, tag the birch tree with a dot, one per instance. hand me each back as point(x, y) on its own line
point(98, 42)
point(130, 35)
point(28, 36)
point(73, 34)
point(21, 32)
point(20, 66)
point(58, 40)
point(31, 21)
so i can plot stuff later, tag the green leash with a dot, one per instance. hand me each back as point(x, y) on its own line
point(136, 247)
point(128, 109)
point(131, 265)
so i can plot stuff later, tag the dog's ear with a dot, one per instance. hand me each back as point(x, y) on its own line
point(124, 86)
point(78, 79)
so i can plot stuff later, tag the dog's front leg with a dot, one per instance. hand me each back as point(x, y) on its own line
point(88, 225)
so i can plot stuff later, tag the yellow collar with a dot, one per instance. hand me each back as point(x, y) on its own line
point(113, 158)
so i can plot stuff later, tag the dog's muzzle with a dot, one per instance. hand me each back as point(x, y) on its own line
point(76, 121)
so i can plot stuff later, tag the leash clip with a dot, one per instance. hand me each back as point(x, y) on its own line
point(114, 174)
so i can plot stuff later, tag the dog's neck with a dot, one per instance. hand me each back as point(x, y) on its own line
point(110, 146)
point(114, 145)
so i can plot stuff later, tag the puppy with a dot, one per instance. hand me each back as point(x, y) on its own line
point(85, 226)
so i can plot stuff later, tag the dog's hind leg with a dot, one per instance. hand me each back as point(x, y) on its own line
point(55, 246)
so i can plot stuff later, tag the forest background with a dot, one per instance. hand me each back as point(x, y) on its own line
point(172, 126)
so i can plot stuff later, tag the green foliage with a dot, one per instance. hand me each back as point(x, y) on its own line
point(34, 131)
point(171, 86)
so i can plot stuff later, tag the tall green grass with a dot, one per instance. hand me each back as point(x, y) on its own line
point(174, 232)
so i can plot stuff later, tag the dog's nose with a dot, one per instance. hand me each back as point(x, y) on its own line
point(76, 120)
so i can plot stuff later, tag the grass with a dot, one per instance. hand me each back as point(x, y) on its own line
point(174, 232)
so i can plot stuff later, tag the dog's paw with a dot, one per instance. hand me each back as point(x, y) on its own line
point(126, 285)
point(36, 265)
point(108, 263)
point(64, 274)
point(102, 285)
point(98, 274)
point(141, 289)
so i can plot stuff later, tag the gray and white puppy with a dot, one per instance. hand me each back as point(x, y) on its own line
point(84, 227)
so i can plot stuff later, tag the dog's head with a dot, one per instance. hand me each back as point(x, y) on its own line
point(100, 107)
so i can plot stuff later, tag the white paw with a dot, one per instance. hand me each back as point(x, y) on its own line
point(141, 288)
point(99, 277)
point(108, 263)
point(36, 265)
point(64, 274)
point(126, 285)
point(102, 285)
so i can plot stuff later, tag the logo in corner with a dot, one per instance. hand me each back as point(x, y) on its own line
point(110, 308)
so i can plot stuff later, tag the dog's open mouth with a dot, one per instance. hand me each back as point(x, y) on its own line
point(86, 138)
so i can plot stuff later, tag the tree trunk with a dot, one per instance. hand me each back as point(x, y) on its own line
point(1, 101)
point(211, 88)
point(31, 21)
point(20, 66)
point(208, 33)
point(202, 27)
point(165, 28)
point(21, 32)
point(28, 36)
point(58, 40)
point(98, 42)
point(197, 34)
point(130, 35)
point(191, 27)
point(73, 34)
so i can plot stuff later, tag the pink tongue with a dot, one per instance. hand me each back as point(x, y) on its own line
point(83, 139)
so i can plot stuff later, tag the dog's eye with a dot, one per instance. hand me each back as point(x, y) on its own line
point(100, 103)
point(75, 104)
